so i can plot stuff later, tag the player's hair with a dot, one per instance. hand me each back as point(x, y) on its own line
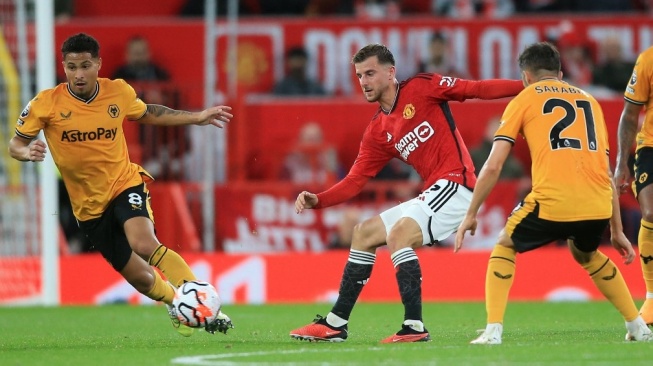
point(540, 56)
point(80, 43)
point(381, 52)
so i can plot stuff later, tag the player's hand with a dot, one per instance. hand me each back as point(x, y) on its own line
point(215, 116)
point(36, 151)
point(621, 178)
point(621, 243)
point(305, 200)
point(469, 223)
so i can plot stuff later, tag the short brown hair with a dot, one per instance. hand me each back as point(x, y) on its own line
point(381, 52)
point(540, 56)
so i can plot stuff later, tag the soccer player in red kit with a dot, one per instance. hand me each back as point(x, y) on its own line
point(413, 123)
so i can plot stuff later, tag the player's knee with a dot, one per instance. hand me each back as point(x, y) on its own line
point(142, 281)
point(404, 234)
point(144, 247)
point(580, 256)
point(365, 237)
point(647, 214)
point(140, 277)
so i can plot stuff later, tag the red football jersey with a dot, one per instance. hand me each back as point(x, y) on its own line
point(420, 130)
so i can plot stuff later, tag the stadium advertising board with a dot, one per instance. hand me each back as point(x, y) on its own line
point(310, 278)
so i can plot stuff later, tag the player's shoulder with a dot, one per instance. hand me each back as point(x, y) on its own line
point(418, 79)
point(645, 60)
point(115, 87)
point(647, 53)
point(47, 97)
point(112, 83)
point(50, 93)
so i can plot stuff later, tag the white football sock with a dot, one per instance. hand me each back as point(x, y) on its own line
point(335, 320)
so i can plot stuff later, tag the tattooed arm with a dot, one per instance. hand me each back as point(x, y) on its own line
point(163, 116)
point(627, 131)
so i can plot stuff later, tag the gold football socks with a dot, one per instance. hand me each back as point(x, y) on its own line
point(610, 282)
point(173, 266)
point(498, 281)
point(645, 241)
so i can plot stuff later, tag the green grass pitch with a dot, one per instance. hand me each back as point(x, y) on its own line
point(535, 334)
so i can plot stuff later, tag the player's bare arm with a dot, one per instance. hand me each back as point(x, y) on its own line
point(617, 237)
point(487, 179)
point(305, 200)
point(626, 133)
point(23, 149)
point(163, 116)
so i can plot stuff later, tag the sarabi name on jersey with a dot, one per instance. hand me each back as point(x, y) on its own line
point(412, 140)
point(81, 136)
point(554, 89)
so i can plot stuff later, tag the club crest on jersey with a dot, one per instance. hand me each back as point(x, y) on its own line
point(113, 111)
point(25, 111)
point(633, 78)
point(409, 111)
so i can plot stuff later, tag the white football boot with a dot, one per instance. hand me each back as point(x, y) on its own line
point(491, 334)
point(184, 330)
point(638, 331)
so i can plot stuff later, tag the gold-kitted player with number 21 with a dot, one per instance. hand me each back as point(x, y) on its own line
point(572, 197)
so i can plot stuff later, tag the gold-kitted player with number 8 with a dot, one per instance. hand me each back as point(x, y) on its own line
point(82, 123)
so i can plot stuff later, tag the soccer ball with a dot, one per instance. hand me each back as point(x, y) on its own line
point(197, 304)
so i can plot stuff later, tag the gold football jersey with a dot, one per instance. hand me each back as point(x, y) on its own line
point(639, 91)
point(568, 142)
point(86, 140)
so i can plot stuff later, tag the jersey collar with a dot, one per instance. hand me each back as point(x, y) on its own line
point(89, 100)
point(394, 103)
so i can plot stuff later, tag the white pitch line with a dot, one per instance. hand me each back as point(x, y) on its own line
point(224, 358)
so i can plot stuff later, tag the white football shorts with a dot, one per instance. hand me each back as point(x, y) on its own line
point(438, 210)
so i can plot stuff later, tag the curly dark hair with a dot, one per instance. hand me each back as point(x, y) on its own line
point(80, 43)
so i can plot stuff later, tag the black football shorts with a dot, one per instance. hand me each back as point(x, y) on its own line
point(643, 169)
point(528, 231)
point(107, 234)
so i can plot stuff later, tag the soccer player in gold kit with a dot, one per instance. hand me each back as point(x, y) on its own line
point(82, 123)
point(572, 197)
point(638, 94)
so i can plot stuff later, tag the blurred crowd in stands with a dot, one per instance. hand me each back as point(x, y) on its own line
point(390, 8)
point(394, 8)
